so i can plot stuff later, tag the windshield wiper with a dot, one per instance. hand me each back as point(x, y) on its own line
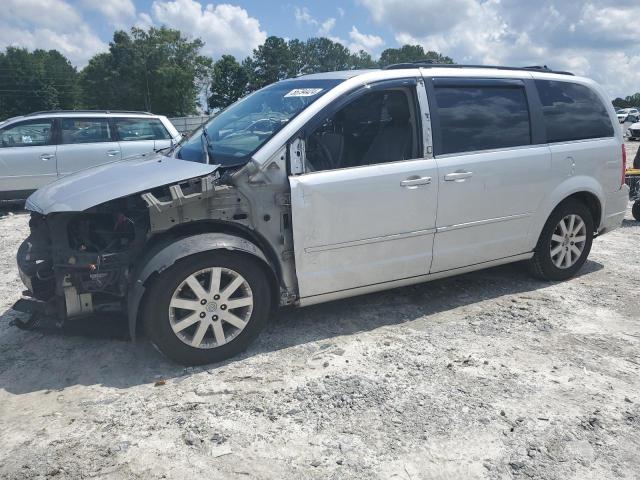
point(207, 146)
point(170, 149)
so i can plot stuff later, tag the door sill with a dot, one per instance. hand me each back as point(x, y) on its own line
point(376, 287)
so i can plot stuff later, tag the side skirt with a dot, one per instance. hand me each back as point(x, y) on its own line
point(352, 292)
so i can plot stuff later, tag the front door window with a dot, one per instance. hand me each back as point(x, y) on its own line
point(377, 127)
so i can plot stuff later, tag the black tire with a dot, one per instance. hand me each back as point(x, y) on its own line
point(542, 265)
point(635, 210)
point(155, 314)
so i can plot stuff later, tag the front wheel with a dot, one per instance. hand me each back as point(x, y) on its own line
point(207, 307)
point(565, 242)
point(635, 210)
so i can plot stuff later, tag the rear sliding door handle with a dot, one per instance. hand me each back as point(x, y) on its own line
point(415, 181)
point(113, 153)
point(47, 156)
point(457, 176)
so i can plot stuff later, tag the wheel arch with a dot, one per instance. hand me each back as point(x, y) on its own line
point(164, 254)
point(591, 201)
point(220, 226)
point(582, 188)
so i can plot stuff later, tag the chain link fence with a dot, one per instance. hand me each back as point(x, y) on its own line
point(188, 124)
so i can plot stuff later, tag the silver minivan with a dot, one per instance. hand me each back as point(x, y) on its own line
point(39, 148)
point(328, 186)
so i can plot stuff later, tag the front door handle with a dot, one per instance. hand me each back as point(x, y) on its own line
point(457, 176)
point(47, 156)
point(413, 182)
point(113, 153)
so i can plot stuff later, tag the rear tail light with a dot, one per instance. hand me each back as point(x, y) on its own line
point(624, 163)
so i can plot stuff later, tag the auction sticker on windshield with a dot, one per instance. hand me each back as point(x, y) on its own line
point(303, 92)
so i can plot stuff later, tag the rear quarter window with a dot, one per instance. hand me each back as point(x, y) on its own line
point(133, 129)
point(572, 112)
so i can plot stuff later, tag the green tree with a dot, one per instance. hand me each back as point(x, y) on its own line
point(157, 70)
point(362, 59)
point(297, 62)
point(628, 101)
point(278, 59)
point(271, 62)
point(229, 82)
point(410, 53)
point(620, 103)
point(325, 55)
point(38, 80)
point(633, 100)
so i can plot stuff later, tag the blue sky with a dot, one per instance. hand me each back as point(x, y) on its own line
point(298, 19)
point(596, 38)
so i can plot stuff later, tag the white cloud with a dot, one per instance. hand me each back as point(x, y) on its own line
point(415, 17)
point(327, 26)
point(224, 28)
point(48, 24)
point(41, 13)
point(304, 18)
point(591, 38)
point(144, 21)
point(362, 41)
point(118, 13)
point(340, 12)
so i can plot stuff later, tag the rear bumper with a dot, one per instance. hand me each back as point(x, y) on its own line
point(615, 210)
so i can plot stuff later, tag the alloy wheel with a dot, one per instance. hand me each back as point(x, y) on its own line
point(568, 241)
point(210, 307)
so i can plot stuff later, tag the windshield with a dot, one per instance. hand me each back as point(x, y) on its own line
point(240, 130)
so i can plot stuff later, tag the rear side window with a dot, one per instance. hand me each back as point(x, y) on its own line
point(26, 134)
point(482, 118)
point(131, 129)
point(572, 112)
point(85, 130)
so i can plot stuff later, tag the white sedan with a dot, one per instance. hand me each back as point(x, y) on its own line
point(633, 131)
point(623, 113)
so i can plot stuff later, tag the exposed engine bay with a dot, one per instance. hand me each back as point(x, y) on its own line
point(87, 262)
point(84, 257)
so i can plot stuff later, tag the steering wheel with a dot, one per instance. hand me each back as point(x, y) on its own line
point(324, 160)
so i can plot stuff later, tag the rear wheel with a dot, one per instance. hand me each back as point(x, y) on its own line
point(565, 242)
point(635, 210)
point(207, 307)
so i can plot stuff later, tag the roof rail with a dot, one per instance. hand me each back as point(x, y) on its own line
point(88, 111)
point(431, 64)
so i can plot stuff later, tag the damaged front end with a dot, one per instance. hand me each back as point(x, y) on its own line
point(99, 235)
point(79, 263)
point(90, 229)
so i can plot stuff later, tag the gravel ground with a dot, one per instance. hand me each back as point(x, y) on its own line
point(489, 375)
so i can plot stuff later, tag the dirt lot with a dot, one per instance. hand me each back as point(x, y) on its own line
point(490, 375)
